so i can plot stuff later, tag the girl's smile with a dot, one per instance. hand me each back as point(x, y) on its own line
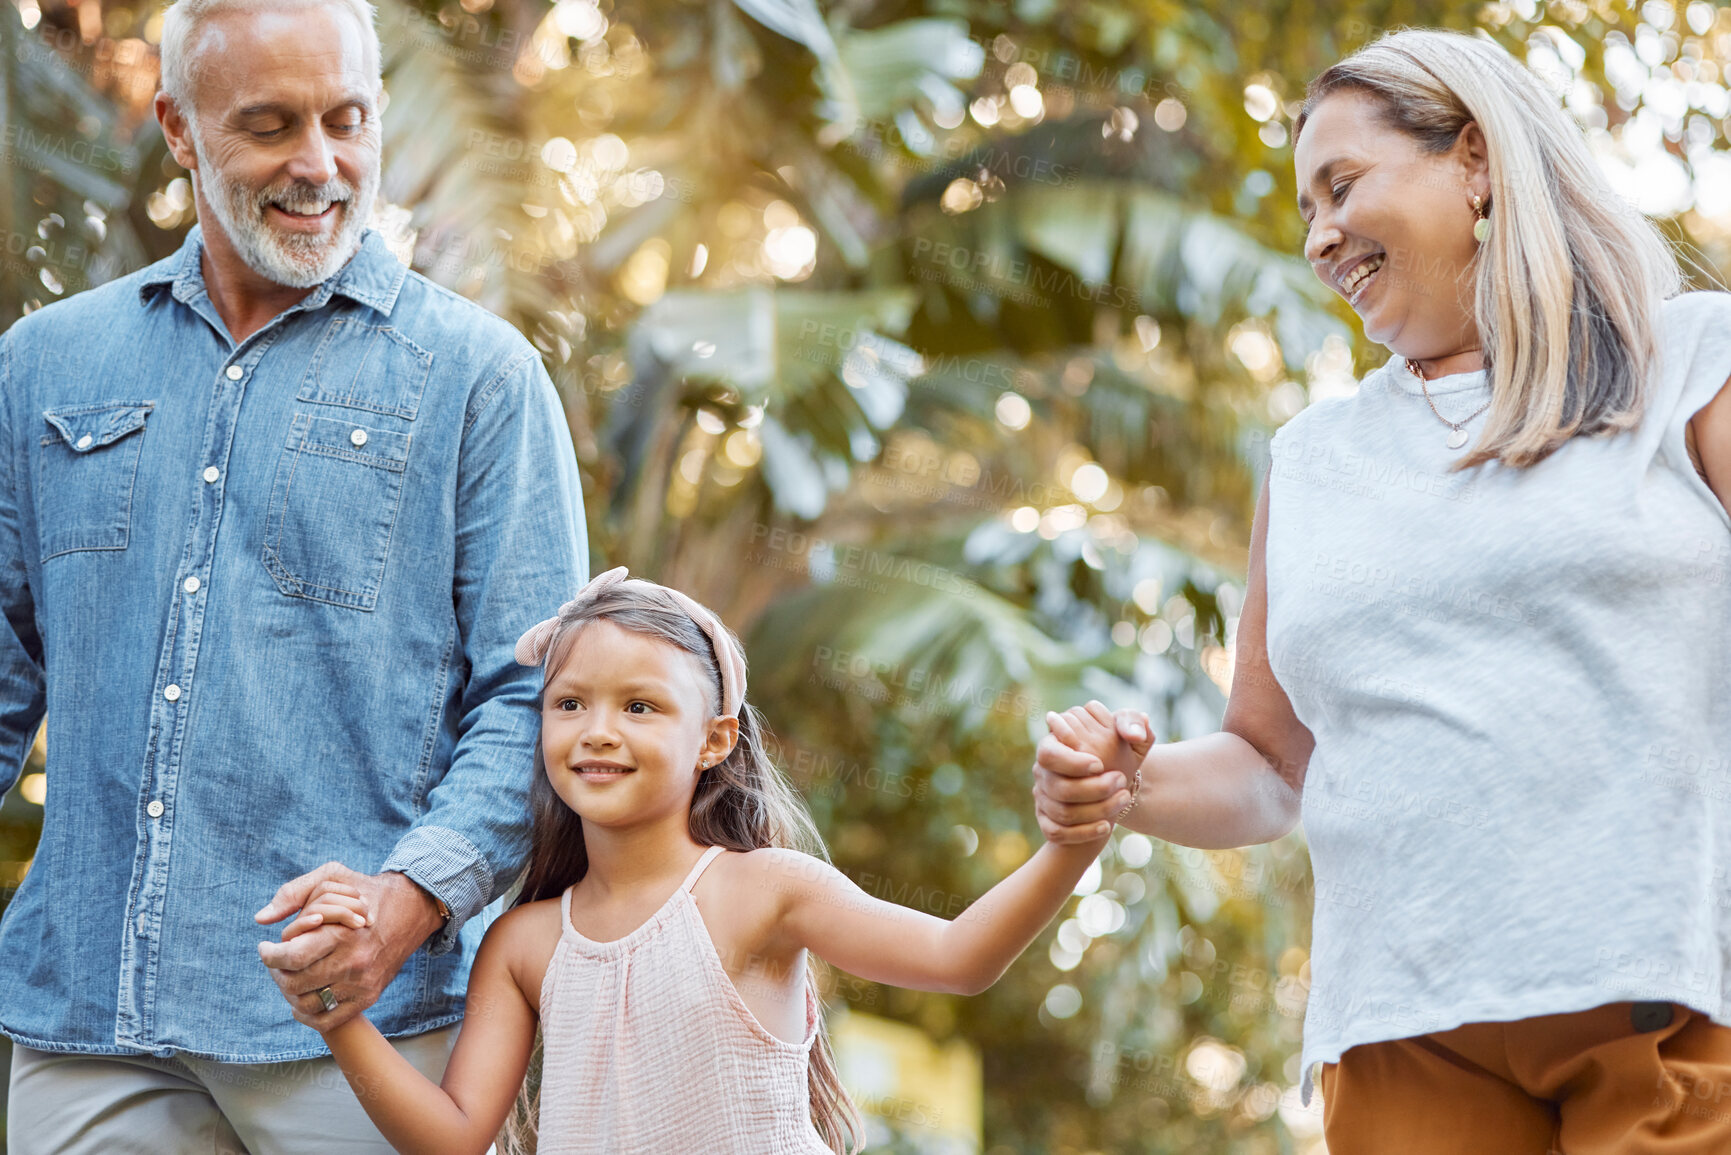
point(602, 771)
point(603, 767)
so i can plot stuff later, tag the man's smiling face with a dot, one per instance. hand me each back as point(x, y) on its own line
point(287, 137)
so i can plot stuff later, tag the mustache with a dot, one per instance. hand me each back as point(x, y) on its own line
point(303, 197)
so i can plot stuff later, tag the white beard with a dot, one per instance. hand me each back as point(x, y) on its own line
point(296, 260)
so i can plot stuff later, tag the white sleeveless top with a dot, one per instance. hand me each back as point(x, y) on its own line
point(1519, 682)
point(647, 1047)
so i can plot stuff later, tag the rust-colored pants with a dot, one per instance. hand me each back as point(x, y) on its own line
point(1621, 1079)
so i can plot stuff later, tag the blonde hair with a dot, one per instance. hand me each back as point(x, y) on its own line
point(1569, 281)
point(180, 24)
point(742, 802)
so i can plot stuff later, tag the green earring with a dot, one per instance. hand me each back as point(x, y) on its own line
point(1482, 226)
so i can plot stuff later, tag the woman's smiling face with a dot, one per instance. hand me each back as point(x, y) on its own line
point(1391, 225)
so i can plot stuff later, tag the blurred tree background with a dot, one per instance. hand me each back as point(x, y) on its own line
point(936, 345)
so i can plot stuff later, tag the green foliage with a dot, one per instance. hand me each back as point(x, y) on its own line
point(839, 330)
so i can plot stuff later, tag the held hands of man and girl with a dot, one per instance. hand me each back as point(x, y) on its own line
point(355, 931)
point(353, 935)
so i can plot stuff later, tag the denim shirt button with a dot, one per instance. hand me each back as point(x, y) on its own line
point(235, 372)
point(358, 437)
point(84, 442)
point(172, 693)
point(155, 808)
point(190, 585)
point(211, 473)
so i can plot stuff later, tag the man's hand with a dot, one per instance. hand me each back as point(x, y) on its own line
point(1083, 768)
point(356, 955)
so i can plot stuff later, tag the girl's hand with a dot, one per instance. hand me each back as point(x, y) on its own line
point(1120, 741)
point(331, 904)
point(1076, 793)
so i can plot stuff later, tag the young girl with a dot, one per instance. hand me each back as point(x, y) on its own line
point(675, 884)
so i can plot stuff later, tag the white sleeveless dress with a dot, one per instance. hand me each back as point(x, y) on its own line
point(648, 1049)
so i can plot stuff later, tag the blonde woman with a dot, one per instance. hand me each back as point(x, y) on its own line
point(1486, 643)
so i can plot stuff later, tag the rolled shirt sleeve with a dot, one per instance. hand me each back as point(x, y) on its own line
point(521, 551)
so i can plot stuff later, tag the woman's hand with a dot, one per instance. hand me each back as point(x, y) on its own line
point(1083, 768)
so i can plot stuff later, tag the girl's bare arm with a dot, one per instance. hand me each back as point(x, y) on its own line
point(822, 910)
point(463, 1113)
point(1233, 788)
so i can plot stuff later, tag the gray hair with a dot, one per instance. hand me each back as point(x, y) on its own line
point(181, 23)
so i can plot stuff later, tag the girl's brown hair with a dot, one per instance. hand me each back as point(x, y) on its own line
point(742, 803)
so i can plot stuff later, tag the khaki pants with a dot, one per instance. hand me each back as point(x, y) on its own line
point(1620, 1079)
point(72, 1104)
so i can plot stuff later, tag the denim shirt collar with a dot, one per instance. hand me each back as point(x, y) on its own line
point(372, 277)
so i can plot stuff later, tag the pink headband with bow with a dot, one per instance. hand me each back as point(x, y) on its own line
point(532, 646)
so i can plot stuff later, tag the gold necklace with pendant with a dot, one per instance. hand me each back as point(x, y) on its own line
point(1458, 431)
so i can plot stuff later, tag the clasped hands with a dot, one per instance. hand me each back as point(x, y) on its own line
point(1083, 770)
point(354, 932)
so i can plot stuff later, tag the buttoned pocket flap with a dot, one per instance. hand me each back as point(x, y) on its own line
point(362, 444)
point(88, 427)
point(366, 366)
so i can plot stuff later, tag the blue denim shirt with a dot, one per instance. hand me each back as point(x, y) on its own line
point(268, 595)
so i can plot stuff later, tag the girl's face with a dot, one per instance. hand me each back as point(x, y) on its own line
point(626, 727)
point(1375, 200)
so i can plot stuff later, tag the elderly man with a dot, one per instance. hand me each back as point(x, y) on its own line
point(273, 512)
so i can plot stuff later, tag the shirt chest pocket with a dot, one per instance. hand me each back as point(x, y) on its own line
point(86, 473)
point(333, 507)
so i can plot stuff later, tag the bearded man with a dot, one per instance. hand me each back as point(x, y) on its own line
point(273, 512)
